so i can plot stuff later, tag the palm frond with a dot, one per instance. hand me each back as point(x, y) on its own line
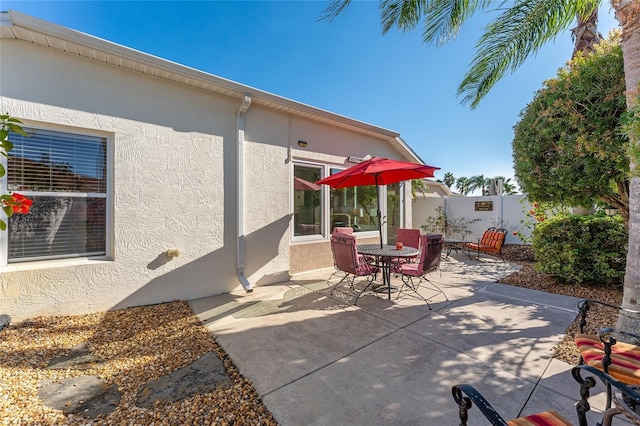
point(444, 18)
point(401, 14)
point(512, 37)
point(335, 8)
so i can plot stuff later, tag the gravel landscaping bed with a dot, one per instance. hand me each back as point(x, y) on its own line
point(134, 346)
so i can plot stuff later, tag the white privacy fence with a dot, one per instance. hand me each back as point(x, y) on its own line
point(502, 211)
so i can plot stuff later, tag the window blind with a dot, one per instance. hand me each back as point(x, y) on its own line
point(65, 176)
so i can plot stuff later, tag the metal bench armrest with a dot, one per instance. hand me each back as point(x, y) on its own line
point(464, 404)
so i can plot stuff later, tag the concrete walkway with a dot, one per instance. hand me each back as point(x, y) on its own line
point(317, 359)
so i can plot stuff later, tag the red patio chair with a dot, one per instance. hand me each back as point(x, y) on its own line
point(347, 260)
point(409, 238)
point(429, 262)
point(342, 230)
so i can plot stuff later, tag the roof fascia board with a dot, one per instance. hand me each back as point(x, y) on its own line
point(30, 23)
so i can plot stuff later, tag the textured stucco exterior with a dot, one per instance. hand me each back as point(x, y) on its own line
point(172, 165)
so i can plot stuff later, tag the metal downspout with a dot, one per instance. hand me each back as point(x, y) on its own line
point(246, 102)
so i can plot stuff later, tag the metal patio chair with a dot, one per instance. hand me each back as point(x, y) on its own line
point(627, 401)
point(610, 350)
point(414, 274)
point(409, 238)
point(347, 261)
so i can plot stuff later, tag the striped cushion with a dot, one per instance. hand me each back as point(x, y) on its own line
point(548, 418)
point(492, 239)
point(625, 357)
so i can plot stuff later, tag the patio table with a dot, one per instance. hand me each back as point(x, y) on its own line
point(454, 244)
point(383, 259)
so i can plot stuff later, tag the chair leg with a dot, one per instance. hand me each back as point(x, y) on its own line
point(438, 289)
point(346, 277)
point(408, 282)
point(369, 284)
point(351, 279)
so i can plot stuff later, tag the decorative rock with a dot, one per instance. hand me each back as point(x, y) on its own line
point(5, 320)
point(87, 396)
point(80, 358)
point(204, 375)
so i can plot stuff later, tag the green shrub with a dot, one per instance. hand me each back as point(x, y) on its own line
point(582, 249)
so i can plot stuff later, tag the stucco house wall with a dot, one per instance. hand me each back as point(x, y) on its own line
point(169, 160)
point(173, 141)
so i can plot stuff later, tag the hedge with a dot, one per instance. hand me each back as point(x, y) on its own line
point(582, 249)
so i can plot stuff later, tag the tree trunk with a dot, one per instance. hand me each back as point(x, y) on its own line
point(628, 15)
point(585, 35)
point(620, 201)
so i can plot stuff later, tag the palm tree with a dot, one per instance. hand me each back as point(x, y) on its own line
point(449, 179)
point(519, 31)
point(586, 35)
point(507, 186)
point(477, 182)
point(462, 185)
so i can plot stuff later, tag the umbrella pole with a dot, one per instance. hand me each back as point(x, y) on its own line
point(379, 213)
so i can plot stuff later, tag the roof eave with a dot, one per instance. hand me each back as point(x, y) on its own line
point(24, 27)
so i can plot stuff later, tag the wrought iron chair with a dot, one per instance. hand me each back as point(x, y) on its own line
point(606, 349)
point(466, 396)
point(491, 242)
point(409, 238)
point(347, 260)
point(342, 230)
point(413, 274)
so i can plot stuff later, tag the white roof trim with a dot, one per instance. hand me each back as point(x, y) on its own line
point(16, 25)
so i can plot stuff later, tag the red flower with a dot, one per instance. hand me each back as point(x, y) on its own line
point(532, 212)
point(515, 232)
point(536, 205)
point(18, 203)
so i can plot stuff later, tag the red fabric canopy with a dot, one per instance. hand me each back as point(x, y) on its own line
point(378, 171)
point(300, 184)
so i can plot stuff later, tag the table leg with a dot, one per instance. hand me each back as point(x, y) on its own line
point(388, 269)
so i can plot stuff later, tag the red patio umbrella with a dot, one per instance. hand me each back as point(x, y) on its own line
point(378, 171)
point(300, 184)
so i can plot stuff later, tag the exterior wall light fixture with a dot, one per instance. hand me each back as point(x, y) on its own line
point(302, 144)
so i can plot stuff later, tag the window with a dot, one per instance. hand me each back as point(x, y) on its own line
point(66, 177)
point(355, 207)
point(307, 206)
point(394, 210)
point(317, 208)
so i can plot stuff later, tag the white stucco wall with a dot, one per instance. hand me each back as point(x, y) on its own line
point(508, 212)
point(172, 163)
point(169, 148)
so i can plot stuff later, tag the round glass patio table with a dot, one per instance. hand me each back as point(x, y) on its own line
point(384, 256)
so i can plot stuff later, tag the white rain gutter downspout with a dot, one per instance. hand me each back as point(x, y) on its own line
point(246, 102)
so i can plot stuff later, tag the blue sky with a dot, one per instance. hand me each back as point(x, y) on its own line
point(347, 66)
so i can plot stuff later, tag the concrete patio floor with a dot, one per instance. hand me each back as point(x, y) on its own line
point(317, 359)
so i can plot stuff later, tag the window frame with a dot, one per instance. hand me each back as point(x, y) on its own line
point(312, 237)
point(325, 233)
point(28, 126)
